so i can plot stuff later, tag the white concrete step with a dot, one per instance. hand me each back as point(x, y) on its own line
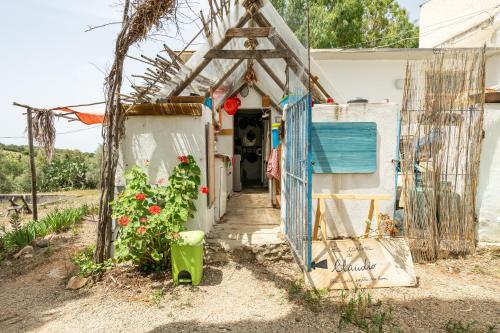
point(232, 244)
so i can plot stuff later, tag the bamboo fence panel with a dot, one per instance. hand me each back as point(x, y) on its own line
point(441, 128)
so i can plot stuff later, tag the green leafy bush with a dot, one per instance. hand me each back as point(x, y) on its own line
point(69, 169)
point(64, 173)
point(151, 217)
point(83, 260)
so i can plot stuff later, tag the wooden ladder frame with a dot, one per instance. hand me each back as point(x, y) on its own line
point(320, 223)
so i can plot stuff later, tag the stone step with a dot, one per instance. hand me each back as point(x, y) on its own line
point(225, 234)
point(232, 244)
point(246, 228)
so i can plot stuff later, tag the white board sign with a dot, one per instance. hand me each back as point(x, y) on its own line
point(361, 263)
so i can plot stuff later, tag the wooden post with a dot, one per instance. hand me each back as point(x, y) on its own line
point(32, 165)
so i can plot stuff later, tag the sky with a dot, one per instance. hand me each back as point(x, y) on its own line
point(49, 60)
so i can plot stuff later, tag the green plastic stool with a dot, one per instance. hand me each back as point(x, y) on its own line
point(187, 257)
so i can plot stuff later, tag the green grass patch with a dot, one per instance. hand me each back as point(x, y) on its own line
point(157, 297)
point(311, 299)
point(457, 326)
point(58, 220)
point(357, 308)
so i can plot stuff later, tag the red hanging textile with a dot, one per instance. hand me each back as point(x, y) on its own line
point(86, 118)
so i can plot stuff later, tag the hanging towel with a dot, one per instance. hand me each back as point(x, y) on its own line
point(273, 165)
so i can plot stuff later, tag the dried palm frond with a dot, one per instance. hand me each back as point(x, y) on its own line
point(44, 131)
point(149, 14)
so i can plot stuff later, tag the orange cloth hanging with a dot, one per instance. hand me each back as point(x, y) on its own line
point(86, 118)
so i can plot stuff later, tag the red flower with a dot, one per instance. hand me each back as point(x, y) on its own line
point(141, 230)
point(161, 181)
point(140, 196)
point(204, 189)
point(124, 220)
point(143, 219)
point(155, 210)
point(183, 159)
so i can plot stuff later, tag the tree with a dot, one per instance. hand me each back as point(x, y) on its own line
point(350, 23)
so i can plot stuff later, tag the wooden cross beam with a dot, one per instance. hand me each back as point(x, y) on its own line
point(230, 93)
point(246, 54)
point(262, 93)
point(263, 32)
point(293, 61)
point(271, 73)
point(225, 76)
point(196, 71)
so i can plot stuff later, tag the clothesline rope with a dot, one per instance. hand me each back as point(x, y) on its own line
point(59, 133)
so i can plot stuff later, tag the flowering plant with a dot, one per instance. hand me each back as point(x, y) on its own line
point(151, 216)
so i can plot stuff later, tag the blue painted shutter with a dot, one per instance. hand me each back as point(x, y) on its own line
point(344, 147)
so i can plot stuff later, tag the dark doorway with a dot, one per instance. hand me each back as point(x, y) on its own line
point(249, 142)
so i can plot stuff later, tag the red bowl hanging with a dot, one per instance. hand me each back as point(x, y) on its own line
point(231, 105)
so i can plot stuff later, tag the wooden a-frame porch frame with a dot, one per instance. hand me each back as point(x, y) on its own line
point(264, 30)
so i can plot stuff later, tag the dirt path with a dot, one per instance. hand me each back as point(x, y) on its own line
point(238, 296)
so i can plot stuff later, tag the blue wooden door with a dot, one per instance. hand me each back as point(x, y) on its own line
point(298, 180)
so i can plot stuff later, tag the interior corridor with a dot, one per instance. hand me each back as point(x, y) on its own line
point(250, 220)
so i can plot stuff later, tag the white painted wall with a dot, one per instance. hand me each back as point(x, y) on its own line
point(375, 80)
point(380, 75)
point(441, 20)
point(222, 173)
point(488, 196)
point(161, 139)
point(347, 217)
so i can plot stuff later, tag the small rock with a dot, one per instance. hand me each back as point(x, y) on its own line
point(28, 249)
point(260, 258)
point(125, 264)
point(27, 256)
point(61, 238)
point(42, 242)
point(49, 237)
point(76, 282)
point(157, 285)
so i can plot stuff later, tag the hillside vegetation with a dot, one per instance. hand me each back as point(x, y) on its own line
point(68, 170)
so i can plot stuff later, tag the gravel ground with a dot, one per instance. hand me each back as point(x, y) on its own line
point(237, 296)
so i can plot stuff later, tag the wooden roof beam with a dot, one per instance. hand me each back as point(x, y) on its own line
point(246, 54)
point(271, 73)
point(196, 71)
point(257, 89)
point(295, 62)
point(230, 93)
point(262, 32)
point(262, 93)
point(226, 75)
